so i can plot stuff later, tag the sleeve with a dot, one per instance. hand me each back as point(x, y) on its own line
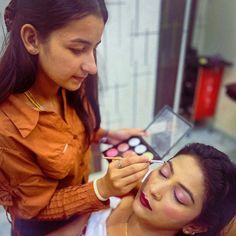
point(72, 200)
point(34, 195)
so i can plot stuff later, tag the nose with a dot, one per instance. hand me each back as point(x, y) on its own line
point(157, 196)
point(89, 65)
point(157, 191)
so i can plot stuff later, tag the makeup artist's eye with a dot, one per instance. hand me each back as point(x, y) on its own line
point(77, 51)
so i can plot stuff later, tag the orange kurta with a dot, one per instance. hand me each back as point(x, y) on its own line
point(44, 164)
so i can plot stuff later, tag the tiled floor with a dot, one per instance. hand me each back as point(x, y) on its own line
point(212, 137)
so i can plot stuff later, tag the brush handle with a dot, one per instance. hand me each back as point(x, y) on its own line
point(113, 158)
point(157, 161)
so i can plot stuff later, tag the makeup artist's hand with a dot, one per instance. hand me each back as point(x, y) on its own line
point(123, 175)
point(116, 136)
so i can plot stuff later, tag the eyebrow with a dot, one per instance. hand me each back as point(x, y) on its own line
point(181, 185)
point(79, 40)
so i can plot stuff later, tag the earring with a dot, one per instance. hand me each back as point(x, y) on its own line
point(34, 52)
point(186, 231)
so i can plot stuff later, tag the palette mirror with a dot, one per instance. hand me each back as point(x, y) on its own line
point(166, 129)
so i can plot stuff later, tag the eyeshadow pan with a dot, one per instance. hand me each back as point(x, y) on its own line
point(134, 142)
point(140, 149)
point(130, 152)
point(149, 155)
point(123, 147)
point(112, 152)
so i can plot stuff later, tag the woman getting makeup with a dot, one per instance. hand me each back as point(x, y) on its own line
point(194, 193)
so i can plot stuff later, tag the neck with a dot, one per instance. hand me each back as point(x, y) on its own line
point(139, 228)
point(44, 87)
point(45, 93)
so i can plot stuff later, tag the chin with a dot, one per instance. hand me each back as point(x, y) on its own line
point(142, 215)
point(138, 209)
point(73, 87)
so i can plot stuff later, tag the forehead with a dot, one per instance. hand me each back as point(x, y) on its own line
point(187, 164)
point(188, 171)
point(89, 27)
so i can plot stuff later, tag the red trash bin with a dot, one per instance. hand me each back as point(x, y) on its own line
point(208, 85)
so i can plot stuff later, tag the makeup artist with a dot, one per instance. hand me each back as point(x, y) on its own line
point(49, 116)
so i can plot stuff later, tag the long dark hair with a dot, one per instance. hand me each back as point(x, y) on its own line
point(219, 206)
point(18, 68)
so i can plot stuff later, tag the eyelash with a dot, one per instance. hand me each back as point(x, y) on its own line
point(177, 200)
point(77, 51)
point(162, 174)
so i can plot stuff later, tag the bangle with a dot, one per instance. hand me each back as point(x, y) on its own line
point(97, 193)
point(104, 139)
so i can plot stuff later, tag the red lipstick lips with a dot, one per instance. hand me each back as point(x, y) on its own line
point(144, 201)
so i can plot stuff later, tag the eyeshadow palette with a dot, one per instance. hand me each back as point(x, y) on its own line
point(166, 129)
point(136, 144)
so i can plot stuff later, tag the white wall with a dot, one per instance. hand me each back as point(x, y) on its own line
point(127, 63)
point(200, 26)
point(3, 4)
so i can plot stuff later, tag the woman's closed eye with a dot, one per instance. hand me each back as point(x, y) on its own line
point(165, 171)
point(181, 196)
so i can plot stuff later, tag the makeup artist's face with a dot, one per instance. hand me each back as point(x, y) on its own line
point(67, 57)
point(172, 195)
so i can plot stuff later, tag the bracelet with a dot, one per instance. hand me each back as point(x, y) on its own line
point(97, 193)
point(104, 139)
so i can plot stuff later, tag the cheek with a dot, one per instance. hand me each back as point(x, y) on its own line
point(64, 61)
point(179, 216)
point(171, 212)
point(60, 67)
point(59, 59)
point(176, 214)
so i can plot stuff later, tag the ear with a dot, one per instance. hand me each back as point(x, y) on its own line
point(192, 229)
point(30, 39)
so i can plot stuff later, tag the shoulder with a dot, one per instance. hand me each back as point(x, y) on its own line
point(118, 215)
point(126, 202)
